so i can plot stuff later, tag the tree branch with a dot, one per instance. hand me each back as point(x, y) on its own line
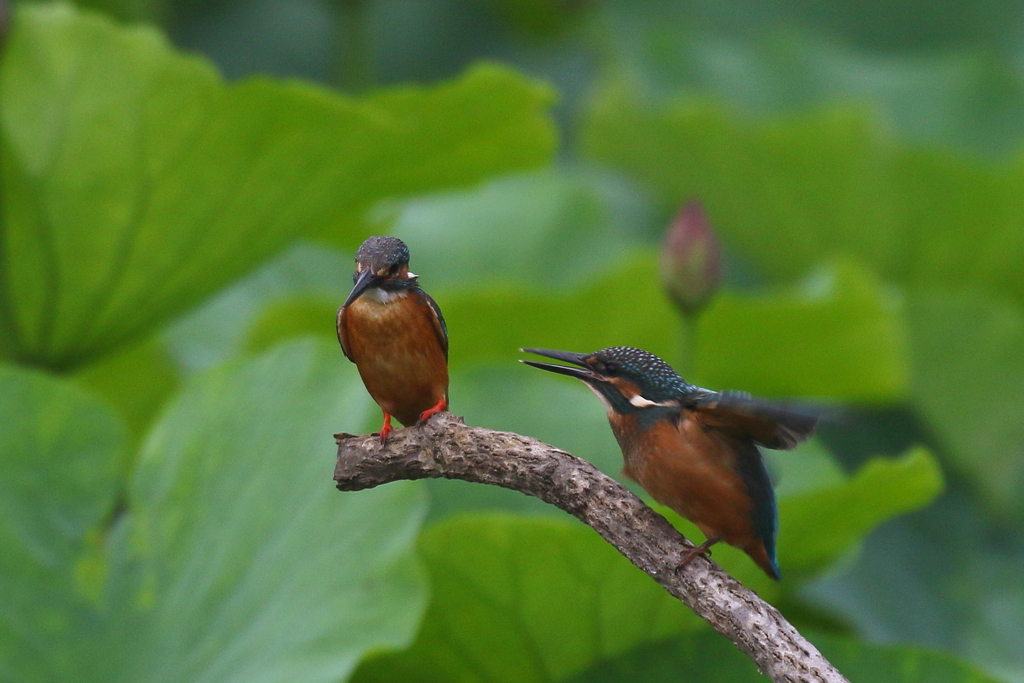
point(446, 447)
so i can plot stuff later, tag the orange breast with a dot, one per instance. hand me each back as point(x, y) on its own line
point(397, 352)
point(691, 470)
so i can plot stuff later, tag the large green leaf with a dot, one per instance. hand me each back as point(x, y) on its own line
point(546, 229)
point(237, 560)
point(840, 335)
point(961, 221)
point(219, 329)
point(786, 194)
point(969, 95)
point(60, 454)
point(626, 307)
point(900, 664)
point(941, 579)
point(707, 657)
point(968, 355)
point(792, 192)
point(518, 599)
point(818, 526)
point(136, 182)
point(137, 380)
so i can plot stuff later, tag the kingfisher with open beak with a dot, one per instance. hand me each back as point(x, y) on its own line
point(395, 334)
point(694, 450)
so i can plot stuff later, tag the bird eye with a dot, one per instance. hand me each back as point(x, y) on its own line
point(611, 366)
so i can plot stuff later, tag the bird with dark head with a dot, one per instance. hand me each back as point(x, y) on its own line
point(694, 450)
point(395, 334)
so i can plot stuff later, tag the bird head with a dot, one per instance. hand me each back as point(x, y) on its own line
point(626, 379)
point(381, 263)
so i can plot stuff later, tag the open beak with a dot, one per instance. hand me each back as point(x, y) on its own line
point(365, 280)
point(587, 375)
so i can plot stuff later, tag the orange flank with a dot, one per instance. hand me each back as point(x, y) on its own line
point(693, 470)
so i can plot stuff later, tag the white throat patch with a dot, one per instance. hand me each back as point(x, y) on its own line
point(382, 296)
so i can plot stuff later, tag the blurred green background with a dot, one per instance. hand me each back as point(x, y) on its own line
point(183, 184)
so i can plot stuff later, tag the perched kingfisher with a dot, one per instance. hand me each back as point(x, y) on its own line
point(395, 334)
point(694, 450)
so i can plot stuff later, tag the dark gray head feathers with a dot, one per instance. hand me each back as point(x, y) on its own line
point(381, 253)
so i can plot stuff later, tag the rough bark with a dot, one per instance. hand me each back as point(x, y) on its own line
point(446, 448)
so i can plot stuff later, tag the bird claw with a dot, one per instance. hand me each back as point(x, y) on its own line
point(430, 412)
point(696, 551)
point(386, 429)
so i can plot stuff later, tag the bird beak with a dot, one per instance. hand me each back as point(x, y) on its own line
point(587, 375)
point(363, 282)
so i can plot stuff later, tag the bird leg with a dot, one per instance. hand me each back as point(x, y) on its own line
point(386, 429)
point(702, 549)
point(438, 407)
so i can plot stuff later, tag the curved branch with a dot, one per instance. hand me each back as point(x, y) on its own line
point(446, 448)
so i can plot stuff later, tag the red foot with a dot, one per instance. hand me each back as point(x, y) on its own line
point(702, 549)
point(438, 407)
point(386, 429)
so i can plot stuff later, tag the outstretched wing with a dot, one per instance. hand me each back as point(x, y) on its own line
point(440, 328)
point(739, 415)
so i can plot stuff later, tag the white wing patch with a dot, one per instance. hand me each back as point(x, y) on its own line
point(642, 402)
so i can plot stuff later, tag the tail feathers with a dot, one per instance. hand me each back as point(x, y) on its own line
point(741, 416)
point(765, 560)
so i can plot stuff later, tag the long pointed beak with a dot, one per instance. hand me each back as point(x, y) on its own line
point(587, 375)
point(365, 279)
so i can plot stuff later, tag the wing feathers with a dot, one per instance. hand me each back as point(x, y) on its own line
point(739, 415)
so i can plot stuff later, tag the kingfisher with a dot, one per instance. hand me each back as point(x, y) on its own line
point(395, 334)
point(694, 450)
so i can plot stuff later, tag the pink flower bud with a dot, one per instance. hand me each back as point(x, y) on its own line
point(691, 259)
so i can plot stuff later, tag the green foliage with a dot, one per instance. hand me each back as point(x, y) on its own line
point(790, 193)
point(822, 524)
point(840, 335)
point(707, 657)
point(138, 185)
point(548, 229)
point(517, 599)
point(60, 452)
point(235, 560)
point(865, 663)
point(136, 380)
point(786, 194)
point(123, 210)
point(968, 350)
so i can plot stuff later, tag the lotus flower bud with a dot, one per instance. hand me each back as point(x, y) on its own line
point(691, 259)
